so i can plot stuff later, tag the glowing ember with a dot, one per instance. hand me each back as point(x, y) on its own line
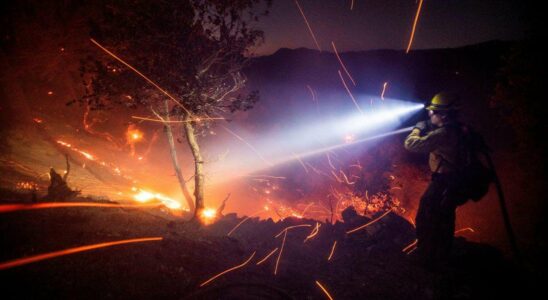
point(350, 93)
point(50, 93)
point(37, 120)
point(342, 64)
point(267, 256)
point(280, 254)
point(291, 227)
point(18, 207)
point(28, 260)
point(470, 229)
point(383, 90)
point(308, 25)
point(313, 233)
point(228, 270)
point(26, 185)
point(365, 225)
point(332, 251)
point(324, 290)
point(414, 27)
point(410, 246)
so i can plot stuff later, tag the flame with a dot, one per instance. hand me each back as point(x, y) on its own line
point(208, 215)
point(145, 196)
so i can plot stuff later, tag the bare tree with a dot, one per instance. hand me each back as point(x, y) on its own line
point(192, 54)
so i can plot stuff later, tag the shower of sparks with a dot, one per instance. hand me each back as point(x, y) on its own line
point(414, 26)
point(367, 224)
point(324, 290)
point(36, 258)
point(308, 25)
point(332, 251)
point(291, 227)
point(248, 145)
point(18, 207)
point(228, 270)
point(244, 220)
point(313, 233)
point(410, 245)
point(350, 93)
point(383, 90)
point(280, 254)
point(267, 256)
point(142, 75)
point(342, 64)
point(465, 229)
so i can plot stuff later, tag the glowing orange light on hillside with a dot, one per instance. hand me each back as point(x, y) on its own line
point(145, 196)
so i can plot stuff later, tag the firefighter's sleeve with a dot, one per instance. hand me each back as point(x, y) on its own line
point(424, 144)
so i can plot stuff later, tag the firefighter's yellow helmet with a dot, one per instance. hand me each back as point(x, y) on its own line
point(444, 101)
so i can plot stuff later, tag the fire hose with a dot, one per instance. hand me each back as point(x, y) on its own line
point(504, 210)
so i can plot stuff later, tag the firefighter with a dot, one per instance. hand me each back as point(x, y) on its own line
point(435, 220)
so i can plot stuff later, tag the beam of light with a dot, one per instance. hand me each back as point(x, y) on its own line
point(228, 270)
point(414, 27)
point(410, 246)
point(383, 89)
point(313, 233)
point(332, 251)
point(324, 290)
point(349, 92)
point(465, 229)
point(292, 227)
point(342, 64)
point(280, 254)
point(7, 208)
point(40, 257)
point(175, 122)
point(369, 223)
point(267, 256)
point(142, 75)
point(244, 220)
point(308, 25)
point(248, 145)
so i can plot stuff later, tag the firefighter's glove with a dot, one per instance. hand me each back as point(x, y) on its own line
point(422, 126)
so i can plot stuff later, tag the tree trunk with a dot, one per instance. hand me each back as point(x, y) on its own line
point(182, 182)
point(198, 165)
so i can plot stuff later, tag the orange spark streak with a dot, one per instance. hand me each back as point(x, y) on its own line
point(247, 218)
point(342, 64)
point(324, 290)
point(300, 161)
point(313, 233)
point(280, 254)
point(383, 89)
point(228, 270)
point(350, 93)
point(314, 98)
point(332, 251)
point(291, 227)
point(410, 246)
point(363, 226)
point(465, 229)
point(248, 144)
point(414, 27)
point(28, 260)
point(142, 75)
point(18, 207)
point(306, 208)
point(266, 257)
point(308, 25)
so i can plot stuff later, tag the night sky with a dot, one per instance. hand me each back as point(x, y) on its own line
point(386, 24)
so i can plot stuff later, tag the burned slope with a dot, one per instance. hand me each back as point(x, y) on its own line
point(367, 263)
